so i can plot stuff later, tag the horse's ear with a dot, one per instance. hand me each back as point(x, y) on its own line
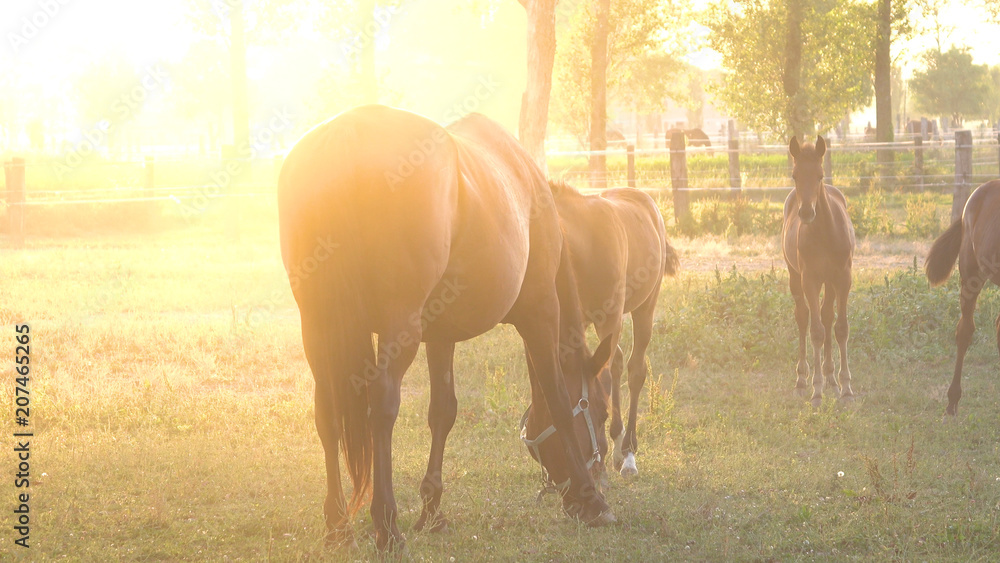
point(601, 357)
point(820, 146)
point(793, 147)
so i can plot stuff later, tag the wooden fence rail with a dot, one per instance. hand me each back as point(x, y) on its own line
point(961, 184)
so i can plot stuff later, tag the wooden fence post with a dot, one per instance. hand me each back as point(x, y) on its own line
point(14, 174)
point(998, 148)
point(735, 183)
point(963, 172)
point(630, 159)
point(150, 182)
point(828, 163)
point(678, 176)
point(918, 160)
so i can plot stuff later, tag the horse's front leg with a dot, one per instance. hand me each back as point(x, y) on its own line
point(802, 322)
point(581, 499)
point(616, 366)
point(810, 289)
point(440, 417)
point(829, 297)
point(842, 329)
point(396, 350)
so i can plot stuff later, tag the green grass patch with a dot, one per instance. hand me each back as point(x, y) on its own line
point(173, 412)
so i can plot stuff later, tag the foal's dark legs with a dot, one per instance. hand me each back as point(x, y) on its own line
point(612, 326)
point(811, 288)
point(963, 336)
point(440, 417)
point(642, 330)
point(802, 320)
point(827, 317)
point(842, 330)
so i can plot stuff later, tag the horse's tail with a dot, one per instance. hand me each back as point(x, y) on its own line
point(671, 261)
point(341, 355)
point(941, 259)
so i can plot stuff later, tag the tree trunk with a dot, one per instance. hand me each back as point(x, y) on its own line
point(598, 94)
point(541, 56)
point(238, 76)
point(369, 81)
point(796, 110)
point(883, 86)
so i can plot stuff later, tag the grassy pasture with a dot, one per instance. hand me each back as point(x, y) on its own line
point(172, 406)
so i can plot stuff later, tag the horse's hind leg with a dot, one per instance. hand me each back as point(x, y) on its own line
point(335, 506)
point(318, 347)
point(396, 350)
point(642, 329)
point(842, 330)
point(971, 286)
point(802, 321)
point(440, 417)
point(829, 296)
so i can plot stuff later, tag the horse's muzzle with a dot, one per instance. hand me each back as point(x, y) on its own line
point(807, 213)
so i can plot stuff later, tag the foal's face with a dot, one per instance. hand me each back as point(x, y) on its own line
point(808, 175)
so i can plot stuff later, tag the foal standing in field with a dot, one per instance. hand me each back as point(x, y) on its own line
point(974, 240)
point(619, 251)
point(818, 245)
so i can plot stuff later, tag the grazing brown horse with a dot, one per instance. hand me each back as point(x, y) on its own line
point(818, 245)
point(695, 137)
point(974, 240)
point(620, 254)
point(394, 226)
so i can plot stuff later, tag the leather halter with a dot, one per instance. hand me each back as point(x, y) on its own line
point(582, 406)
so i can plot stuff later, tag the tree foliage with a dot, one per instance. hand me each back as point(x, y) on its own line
point(644, 61)
point(993, 98)
point(837, 41)
point(950, 84)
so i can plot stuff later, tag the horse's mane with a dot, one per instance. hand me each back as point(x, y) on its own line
point(560, 187)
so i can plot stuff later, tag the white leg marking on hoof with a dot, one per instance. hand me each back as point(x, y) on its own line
point(628, 468)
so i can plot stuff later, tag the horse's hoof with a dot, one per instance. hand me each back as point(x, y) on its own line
point(628, 467)
point(392, 545)
point(605, 518)
point(618, 461)
point(435, 523)
point(341, 539)
point(801, 391)
point(817, 401)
